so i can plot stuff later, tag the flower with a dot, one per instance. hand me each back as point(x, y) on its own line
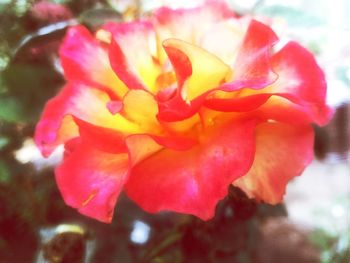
point(177, 106)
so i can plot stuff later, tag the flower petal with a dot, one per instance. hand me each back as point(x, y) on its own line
point(82, 102)
point(104, 139)
point(253, 60)
point(133, 53)
point(140, 147)
point(207, 70)
point(252, 69)
point(91, 180)
point(237, 104)
point(198, 72)
point(282, 152)
point(301, 81)
point(83, 58)
point(141, 108)
point(194, 181)
point(299, 93)
point(297, 96)
point(281, 109)
point(224, 39)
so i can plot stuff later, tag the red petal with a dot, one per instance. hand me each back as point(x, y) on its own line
point(82, 102)
point(194, 181)
point(132, 54)
point(282, 152)
point(301, 81)
point(298, 95)
point(252, 70)
point(91, 180)
point(103, 139)
point(202, 71)
point(176, 143)
point(238, 104)
point(253, 60)
point(282, 110)
point(112, 141)
point(198, 73)
point(121, 67)
point(176, 108)
point(83, 58)
point(181, 63)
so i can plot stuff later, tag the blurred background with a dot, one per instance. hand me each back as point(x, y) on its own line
point(313, 224)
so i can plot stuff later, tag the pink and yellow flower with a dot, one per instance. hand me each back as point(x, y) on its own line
point(176, 107)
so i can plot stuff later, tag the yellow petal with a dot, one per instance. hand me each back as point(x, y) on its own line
point(208, 71)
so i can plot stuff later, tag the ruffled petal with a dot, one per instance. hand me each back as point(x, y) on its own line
point(207, 70)
point(281, 109)
point(83, 58)
point(282, 152)
point(91, 180)
point(301, 81)
point(56, 125)
point(141, 108)
point(198, 72)
point(296, 96)
point(237, 104)
point(140, 147)
point(133, 53)
point(137, 115)
point(254, 56)
point(104, 139)
point(252, 69)
point(194, 181)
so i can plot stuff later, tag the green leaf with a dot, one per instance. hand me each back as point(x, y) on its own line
point(11, 110)
point(29, 87)
point(95, 18)
point(3, 142)
point(4, 173)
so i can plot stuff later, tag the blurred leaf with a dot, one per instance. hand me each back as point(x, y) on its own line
point(4, 141)
point(95, 18)
point(333, 249)
point(11, 110)
point(4, 173)
point(167, 243)
point(4, 60)
point(29, 87)
point(2, 86)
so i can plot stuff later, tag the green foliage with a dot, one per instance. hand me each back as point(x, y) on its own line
point(11, 110)
point(96, 17)
point(28, 88)
point(4, 173)
point(334, 249)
